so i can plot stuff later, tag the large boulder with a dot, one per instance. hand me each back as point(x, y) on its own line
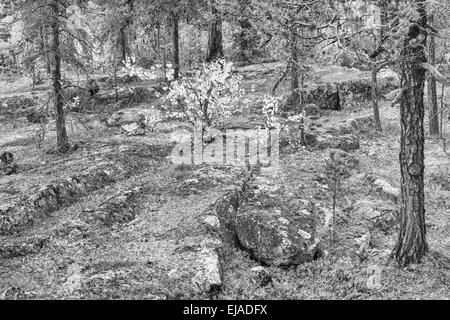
point(277, 234)
point(347, 142)
point(134, 121)
point(127, 96)
point(325, 96)
point(357, 125)
point(125, 117)
point(120, 80)
point(377, 215)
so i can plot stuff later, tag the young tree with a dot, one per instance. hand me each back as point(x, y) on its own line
point(375, 46)
point(412, 245)
point(298, 26)
point(61, 132)
point(59, 23)
point(170, 14)
point(118, 26)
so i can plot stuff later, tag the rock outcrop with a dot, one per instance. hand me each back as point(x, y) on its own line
point(337, 94)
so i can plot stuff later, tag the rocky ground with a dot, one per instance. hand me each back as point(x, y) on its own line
point(115, 219)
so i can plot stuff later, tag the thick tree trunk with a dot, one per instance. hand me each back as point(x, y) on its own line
point(176, 48)
point(412, 245)
point(215, 45)
point(61, 132)
point(432, 87)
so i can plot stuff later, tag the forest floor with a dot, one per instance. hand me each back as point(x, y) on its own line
point(139, 232)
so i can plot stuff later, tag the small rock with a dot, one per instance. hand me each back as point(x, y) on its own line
point(190, 182)
point(74, 277)
point(209, 275)
point(363, 243)
point(133, 129)
point(213, 222)
point(386, 189)
point(374, 278)
point(257, 269)
point(261, 276)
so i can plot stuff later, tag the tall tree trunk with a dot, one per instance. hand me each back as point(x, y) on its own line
point(297, 82)
point(295, 70)
point(123, 44)
point(243, 40)
point(384, 20)
point(246, 39)
point(412, 245)
point(215, 45)
point(61, 132)
point(376, 109)
point(176, 48)
point(125, 33)
point(44, 46)
point(432, 87)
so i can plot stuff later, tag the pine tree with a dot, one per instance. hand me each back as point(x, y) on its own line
point(412, 245)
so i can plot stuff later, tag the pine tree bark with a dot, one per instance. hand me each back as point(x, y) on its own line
point(176, 46)
point(432, 87)
point(61, 132)
point(215, 44)
point(412, 245)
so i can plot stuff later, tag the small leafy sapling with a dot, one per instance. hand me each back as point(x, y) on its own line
point(210, 96)
point(41, 132)
point(270, 110)
point(152, 120)
point(302, 121)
